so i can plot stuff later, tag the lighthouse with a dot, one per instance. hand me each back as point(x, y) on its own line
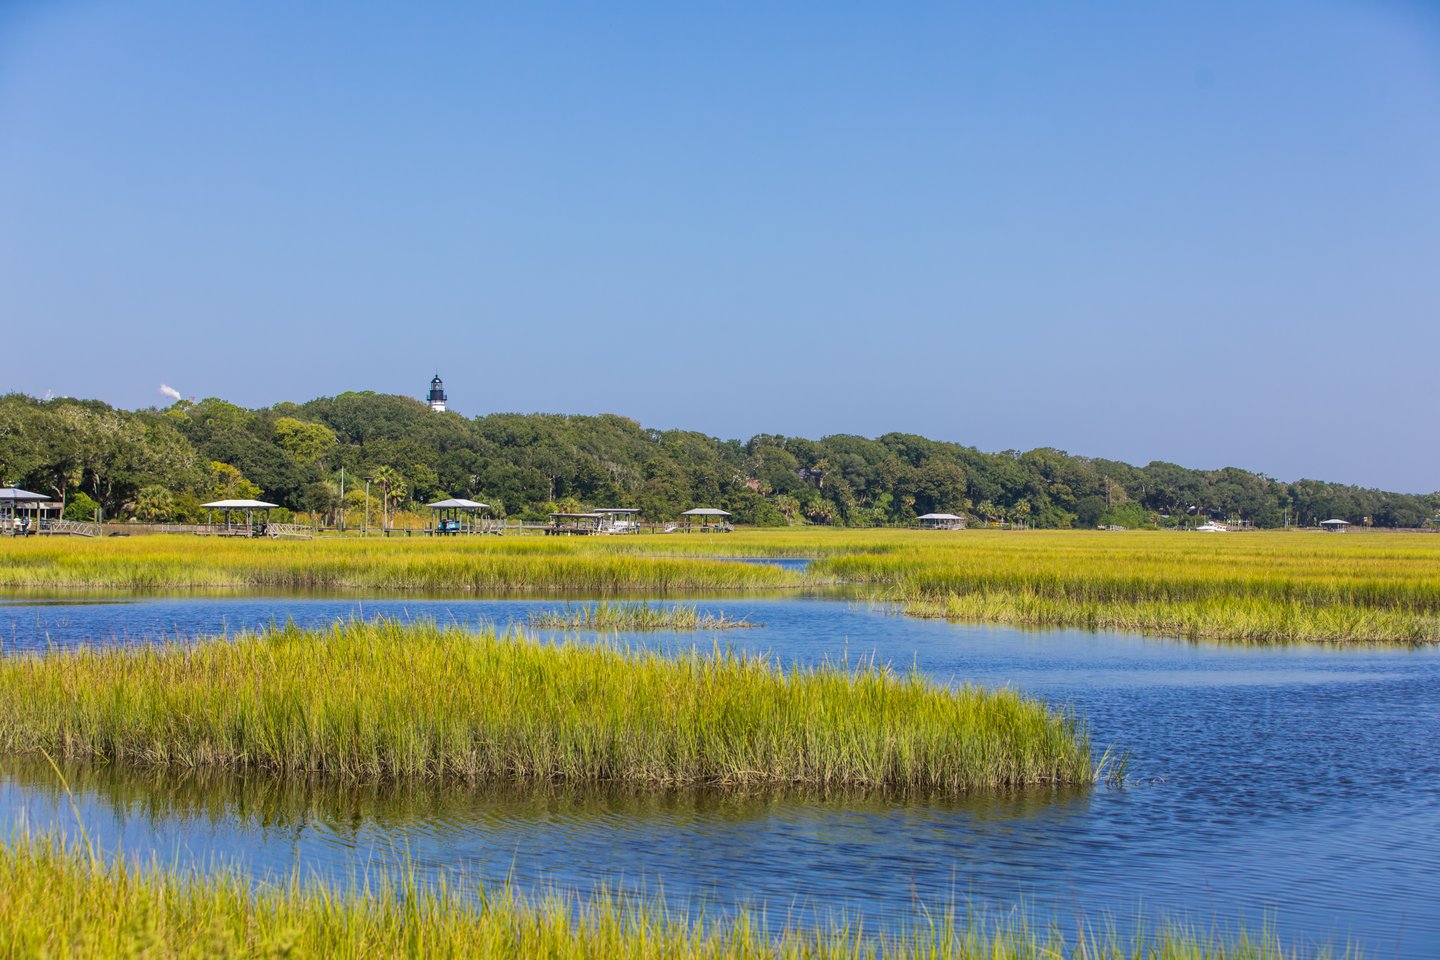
point(437, 395)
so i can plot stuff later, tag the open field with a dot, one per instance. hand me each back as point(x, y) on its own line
point(61, 900)
point(384, 700)
point(1248, 587)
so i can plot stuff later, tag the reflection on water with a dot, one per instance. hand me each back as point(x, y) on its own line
point(1301, 783)
point(694, 843)
point(255, 800)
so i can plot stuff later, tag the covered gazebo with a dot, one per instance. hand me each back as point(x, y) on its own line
point(707, 520)
point(1334, 526)
point(941, 521)
point(575, 524)
point(619, 519)
point(20, 510)
point(456, 515)
point(249, 508)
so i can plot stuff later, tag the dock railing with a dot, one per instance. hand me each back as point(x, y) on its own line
point(70, 528)
point(289, 531)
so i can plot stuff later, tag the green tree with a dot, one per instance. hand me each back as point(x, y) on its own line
point(154, 503)
point(80, 508)
point(306, 442)
point(392, 493)
point(225, 482)
point(788, 507)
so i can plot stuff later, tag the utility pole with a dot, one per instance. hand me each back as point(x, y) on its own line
point(342, 497)
point(384, 506)
point(367, 506)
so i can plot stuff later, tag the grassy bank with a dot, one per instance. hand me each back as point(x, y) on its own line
point(429, 564)
point(371, 701)
point(61, 901)
point(618, 617)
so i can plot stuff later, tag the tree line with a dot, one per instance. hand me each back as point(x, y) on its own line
point(160, 464)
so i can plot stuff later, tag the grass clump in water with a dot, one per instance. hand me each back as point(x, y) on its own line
point(61, 901)
point(381, 700)
point(1245, 620)
point(619, 617)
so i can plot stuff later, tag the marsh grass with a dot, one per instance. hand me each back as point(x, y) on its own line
point(382, 700)
point(1251, 588)
point(414, 565)
point(59, 901)
point(1246, 620)
point(625, 617)
point(1257, 587)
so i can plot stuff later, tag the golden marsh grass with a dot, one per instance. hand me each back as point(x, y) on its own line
point(61, 900)
point(622, 617)
point(1247, 587)
point(386, 700)
point(402, 564)
point(1257, 587)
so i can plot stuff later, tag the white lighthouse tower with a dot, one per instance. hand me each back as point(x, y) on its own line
point(437, 395)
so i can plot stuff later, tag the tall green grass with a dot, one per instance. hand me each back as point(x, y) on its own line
point(634, 617)
point(60, 900)
point(1246, 620)
point(372, 701)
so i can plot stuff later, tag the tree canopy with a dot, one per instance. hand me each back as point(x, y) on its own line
point(161, 464)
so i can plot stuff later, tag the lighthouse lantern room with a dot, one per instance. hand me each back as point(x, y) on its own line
point(437, 395)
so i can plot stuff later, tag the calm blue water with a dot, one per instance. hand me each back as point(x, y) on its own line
point(798, 564)
point(1296, 785)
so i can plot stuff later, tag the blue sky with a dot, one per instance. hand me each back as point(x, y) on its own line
point(1204, 232)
